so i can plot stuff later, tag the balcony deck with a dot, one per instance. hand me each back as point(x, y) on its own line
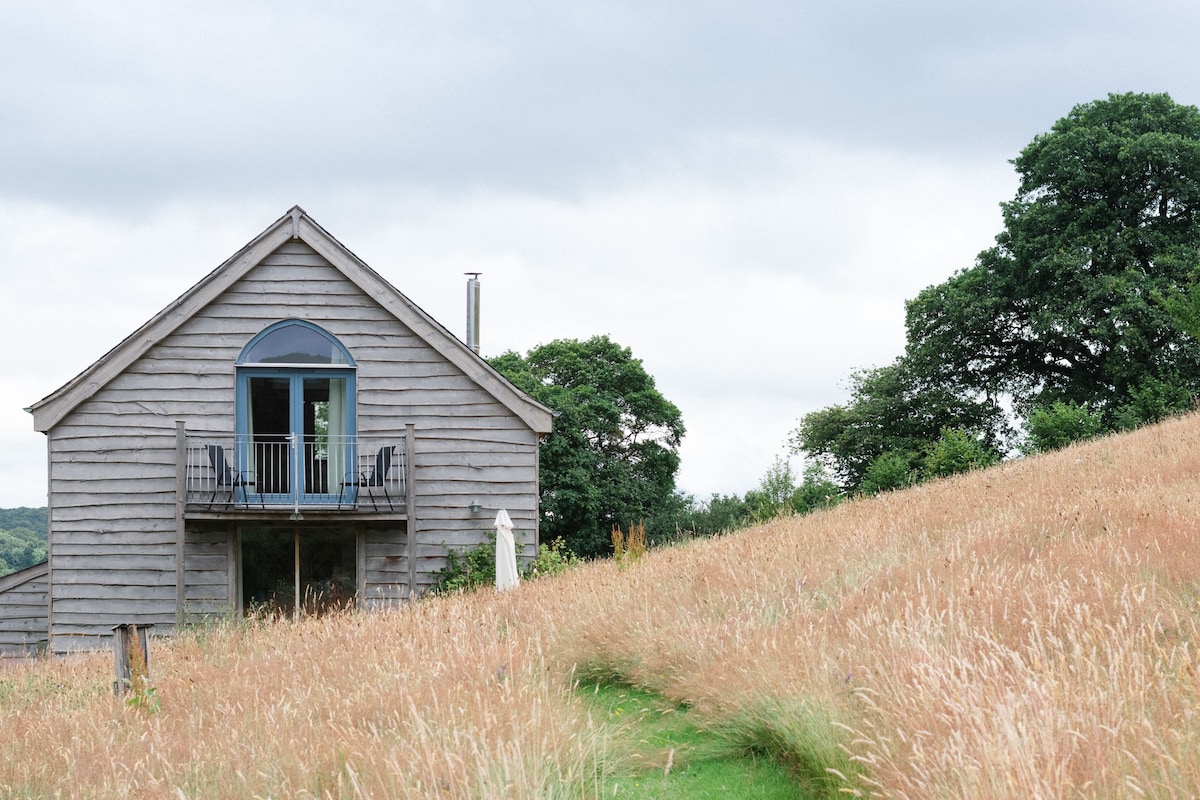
point(322, 476)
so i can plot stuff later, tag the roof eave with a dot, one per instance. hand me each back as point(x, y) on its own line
point(51, 410)
point(296, 224)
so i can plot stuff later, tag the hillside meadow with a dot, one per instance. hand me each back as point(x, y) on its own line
point(1027, 631)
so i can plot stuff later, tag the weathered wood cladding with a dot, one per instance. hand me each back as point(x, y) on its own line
point(209, 570)
point(113, 457)
point(23, 611)
point(385, 562)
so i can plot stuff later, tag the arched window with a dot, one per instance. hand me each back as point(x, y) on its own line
point(295, 341)
point(295, 413)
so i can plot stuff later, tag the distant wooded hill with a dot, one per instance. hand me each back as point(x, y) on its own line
point(23, 533)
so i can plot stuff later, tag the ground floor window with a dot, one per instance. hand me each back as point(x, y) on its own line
point(286, 570)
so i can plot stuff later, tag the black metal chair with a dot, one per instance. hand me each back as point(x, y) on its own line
point(225, 477)
point(376, 478)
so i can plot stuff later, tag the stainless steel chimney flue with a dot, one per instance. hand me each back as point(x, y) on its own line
point(473, 310)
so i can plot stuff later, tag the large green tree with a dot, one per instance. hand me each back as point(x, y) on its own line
point(1061, 308)
point(1077, 312)
point(614, 451)
point(893, 424)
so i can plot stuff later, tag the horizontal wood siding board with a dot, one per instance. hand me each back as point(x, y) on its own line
point(116, 591)
point(392, 549)
point(12, 601)
point(243, 321)
point(129, 607)
point(436, 524)
point(414, 369)
point(67, 506)
point(412, 396)
point(114, 451)
point(122, 476)
point(438, 413)
point(380, 598)
point(99, 620)
point(490, 497)
point(88, 440)
point(142, 579)
point(485, 438)
point(374, 352)
point(125, 554)
point(461, 452)
point(152, 499)
point(201, 607)
point(272, 273)
point(207, 591)
point(203, 545)
point(472, 416)
point(115, 425)
point(213, 563)
point(17, 630)
point(196, 575)
point(378, 575)
point(426, 374)
point(193, 550)
point(108, 561)
point(472, 477)
point(459, 537)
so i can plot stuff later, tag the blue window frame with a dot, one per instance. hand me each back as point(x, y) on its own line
point(295, 414)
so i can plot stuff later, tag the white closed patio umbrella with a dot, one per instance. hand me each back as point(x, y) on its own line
point(506, 553)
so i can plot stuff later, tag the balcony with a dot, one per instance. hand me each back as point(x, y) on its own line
point(321, 474)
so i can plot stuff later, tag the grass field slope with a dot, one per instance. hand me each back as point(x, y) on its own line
point(1026, 631)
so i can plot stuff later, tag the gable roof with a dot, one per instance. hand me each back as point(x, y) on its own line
point(295, 224)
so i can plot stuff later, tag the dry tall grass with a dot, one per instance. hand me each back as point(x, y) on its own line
point(1029, 631)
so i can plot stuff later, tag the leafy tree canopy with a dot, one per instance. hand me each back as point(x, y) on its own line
point(35, 519)
point(893, 412)
point(23, 533)
point(1062, 307)
point(614, 452)
point(1076, 317)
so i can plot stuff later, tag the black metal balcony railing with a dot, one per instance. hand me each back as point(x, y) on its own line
point(276, 472)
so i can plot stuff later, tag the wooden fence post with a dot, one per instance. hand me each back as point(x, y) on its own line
point(131, 652)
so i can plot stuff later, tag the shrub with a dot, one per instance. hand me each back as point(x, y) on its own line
point(468, 570)
point(1060, 424)
point(552, 559)
point(719, 514)
point(774, 493)
point(956, 451)
point(889, 471)
point(818, 490)
point(1153, 401)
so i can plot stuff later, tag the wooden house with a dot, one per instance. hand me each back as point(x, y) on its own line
point(291, 431)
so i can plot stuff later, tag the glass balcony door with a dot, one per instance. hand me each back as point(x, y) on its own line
point(296, 433)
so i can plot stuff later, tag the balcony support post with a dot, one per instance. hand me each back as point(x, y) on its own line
point(181, 466)
point(410, 505)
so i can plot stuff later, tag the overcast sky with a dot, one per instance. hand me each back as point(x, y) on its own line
point(743, 193)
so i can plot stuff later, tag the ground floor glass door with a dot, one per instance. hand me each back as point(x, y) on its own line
point(288, 569)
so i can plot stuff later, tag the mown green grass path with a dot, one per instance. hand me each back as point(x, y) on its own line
point(663, 753)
